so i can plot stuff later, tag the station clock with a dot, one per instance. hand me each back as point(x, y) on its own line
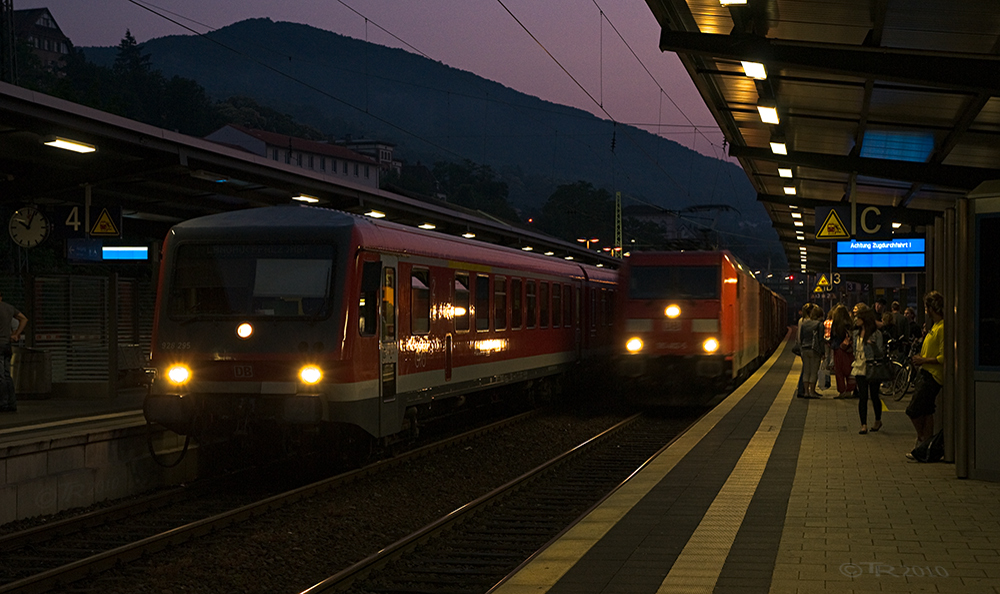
point(28, 227)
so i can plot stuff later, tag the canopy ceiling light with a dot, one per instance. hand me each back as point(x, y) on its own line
point(768, 113)
point(732, 2)
point(754, 70)
point(209, 176)
point(428, 226)
point(778, 147)
point(784, 172)
point(306, 199)
point(796, 215)
point(67, 144)
point(468, 235)
point(375, 214)
point(789, 190)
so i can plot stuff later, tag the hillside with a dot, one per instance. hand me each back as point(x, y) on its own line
point(342, 86)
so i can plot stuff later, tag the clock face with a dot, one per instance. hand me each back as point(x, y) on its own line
point(28, 227)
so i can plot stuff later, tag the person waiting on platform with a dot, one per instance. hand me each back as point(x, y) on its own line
point(843, 350)
point(8, 313)
point(868, 346)
point(813, 349)
point(931, 362)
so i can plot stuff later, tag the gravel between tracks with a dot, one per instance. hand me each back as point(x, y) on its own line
point(296, 547)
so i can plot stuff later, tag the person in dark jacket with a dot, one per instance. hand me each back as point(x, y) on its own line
point(812, 346)
point(8, 336)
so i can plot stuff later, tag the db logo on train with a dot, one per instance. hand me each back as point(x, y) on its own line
point(243, 371)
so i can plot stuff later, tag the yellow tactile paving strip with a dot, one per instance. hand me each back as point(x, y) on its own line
point(550, 565)
point(861, 518)
point(699, 565)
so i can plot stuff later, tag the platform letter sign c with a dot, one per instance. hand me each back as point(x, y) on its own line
point(864, 220)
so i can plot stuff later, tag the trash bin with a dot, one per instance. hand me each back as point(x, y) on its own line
point(32, 372)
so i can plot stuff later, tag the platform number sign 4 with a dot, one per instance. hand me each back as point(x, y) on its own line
point(28, 227)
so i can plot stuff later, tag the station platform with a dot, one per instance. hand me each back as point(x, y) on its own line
point(772, 493)
point(34, 415)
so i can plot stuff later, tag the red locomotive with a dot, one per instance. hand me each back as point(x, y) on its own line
point(688, 319)
point(282, 318)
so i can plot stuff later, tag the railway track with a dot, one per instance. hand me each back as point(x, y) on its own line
point(476, 546)
point(60, 553)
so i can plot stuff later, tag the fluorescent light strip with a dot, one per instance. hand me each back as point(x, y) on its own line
point(70, 145)
point(754, 70)
point(768, 115)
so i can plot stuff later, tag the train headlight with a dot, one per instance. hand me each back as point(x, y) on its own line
point(179, 374)
point(672, 311)
point(244, 330)
point(310, 374)
point(710, 345)
point(634, 345)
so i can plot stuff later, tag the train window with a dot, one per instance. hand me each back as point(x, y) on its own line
point(499, 303)
point(388, 304)
point(531, 303)
point(516, 300)
point(482, 303)
point(569, 307)
point(674, 282)
point(262, 279)
point(593, 308)
point(556, 305)
point(543, 302)
point(345, 168)
point(609, 312)
point(420, 301)
point(461, 303)
point(368, 301)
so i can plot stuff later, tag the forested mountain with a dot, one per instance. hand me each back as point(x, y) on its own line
point(342, 86)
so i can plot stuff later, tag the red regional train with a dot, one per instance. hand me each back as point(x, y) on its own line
point(284, 319)
point(691, 319)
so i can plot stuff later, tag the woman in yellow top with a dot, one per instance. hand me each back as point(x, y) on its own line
point(931, 362)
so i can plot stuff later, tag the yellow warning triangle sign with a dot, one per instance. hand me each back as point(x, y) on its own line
point(818, 289)
point(105, 226)
point(833, 227)
point(822, 282)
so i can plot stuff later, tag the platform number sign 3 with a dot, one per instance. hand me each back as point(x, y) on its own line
point(28, 227)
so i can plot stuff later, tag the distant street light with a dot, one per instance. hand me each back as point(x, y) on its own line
point(589, 241)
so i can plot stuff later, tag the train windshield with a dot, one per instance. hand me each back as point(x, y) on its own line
point(674, 282)
point(252, 280)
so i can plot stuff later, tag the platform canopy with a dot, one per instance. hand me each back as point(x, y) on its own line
point(159, 177)
point(892, 103)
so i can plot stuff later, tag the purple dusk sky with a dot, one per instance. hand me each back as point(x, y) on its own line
point(480, 37)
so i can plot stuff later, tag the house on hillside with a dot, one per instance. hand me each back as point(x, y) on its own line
point(37, 27)
point(322, 157)
point(376, 149)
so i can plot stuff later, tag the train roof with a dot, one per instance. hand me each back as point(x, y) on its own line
point(285, 222)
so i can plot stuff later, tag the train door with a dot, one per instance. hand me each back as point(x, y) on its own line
point(389, 413)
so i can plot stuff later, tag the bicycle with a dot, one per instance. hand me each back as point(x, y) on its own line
point(894, 348)
point(902, 371)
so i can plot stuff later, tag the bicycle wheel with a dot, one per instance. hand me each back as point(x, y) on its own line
point(886, 389)
point(900, 383)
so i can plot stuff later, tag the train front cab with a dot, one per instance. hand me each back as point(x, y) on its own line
point(687, 321)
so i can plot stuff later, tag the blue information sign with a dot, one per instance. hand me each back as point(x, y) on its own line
point(890, 253)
